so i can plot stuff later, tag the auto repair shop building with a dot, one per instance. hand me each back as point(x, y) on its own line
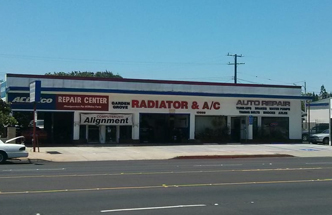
point(157, 111)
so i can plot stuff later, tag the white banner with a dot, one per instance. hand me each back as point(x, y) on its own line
point(106, 119)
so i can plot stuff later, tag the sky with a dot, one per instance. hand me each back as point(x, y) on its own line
point(283, 42)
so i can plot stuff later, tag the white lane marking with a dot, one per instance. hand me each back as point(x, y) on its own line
point(29, 170)
point(318, 163)
point(152, 208)
point(220, 165)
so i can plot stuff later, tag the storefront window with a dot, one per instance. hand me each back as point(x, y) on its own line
point(111, 134)
point(211, 128)
point(83, 132)
point(126, 133)
point(93, 133)
point(255, 126)
point(164, 128)
point(275, 128)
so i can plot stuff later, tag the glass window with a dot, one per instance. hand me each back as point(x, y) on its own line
point(111, 134)
point(83, 132)
point(93, 133)
point(125, 132)
point(211, 128)
point(276, 128)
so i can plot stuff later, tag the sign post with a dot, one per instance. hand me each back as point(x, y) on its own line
point(330, 121)
point(35, 91)
point(250, 127)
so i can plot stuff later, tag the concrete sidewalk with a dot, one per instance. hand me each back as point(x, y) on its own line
point(114, 153)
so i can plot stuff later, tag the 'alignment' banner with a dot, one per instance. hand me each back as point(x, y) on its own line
point(106, 119)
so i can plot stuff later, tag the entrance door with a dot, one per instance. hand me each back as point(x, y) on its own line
point(164, 128)
point(236, 129)
point(111, 134)
point(93, 134)
point(239, 130)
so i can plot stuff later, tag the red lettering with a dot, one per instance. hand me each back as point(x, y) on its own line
point(135, 104)
point(206, 106)
point(216, 105)
point(169, 103)
point(162, 104)
point(143, 104)
point(184, 105)
point(177, 104)
point(151, 104)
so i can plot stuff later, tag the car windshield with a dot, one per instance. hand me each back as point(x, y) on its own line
point(40, 123)
point(326, 131)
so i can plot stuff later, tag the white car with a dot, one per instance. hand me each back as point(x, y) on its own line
point(321, 137)
point(11, 150)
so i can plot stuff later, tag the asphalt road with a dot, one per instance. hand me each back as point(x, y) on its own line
point(220, 186)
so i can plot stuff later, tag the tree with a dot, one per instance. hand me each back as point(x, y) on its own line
point(312, 95)
point(323, 94)
point(315, 97)
point(5, 116)
point(105, 74)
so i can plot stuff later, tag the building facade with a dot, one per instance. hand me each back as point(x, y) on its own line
point(318, 112)
point(156, 111)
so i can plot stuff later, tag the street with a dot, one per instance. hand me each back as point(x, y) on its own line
point(194, 186)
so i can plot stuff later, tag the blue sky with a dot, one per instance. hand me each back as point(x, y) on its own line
point(283, 42)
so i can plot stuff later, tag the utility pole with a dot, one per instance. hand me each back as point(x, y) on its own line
point(235, 64)
point(305, 106)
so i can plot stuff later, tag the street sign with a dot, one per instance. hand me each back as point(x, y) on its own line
point(251, 120)
point(35, 88)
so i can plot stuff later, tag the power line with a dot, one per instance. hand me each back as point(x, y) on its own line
point(235, 64)
point(219, 77)
point(252, 82)
point(269, 79)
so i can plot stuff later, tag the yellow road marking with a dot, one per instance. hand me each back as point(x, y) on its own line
point(160, 173)
point(165, 186)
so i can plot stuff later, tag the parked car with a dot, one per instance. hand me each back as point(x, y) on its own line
point(41, 134)
point(320, 137)
point(319, 128)
point(11, 150)
point(39, 123)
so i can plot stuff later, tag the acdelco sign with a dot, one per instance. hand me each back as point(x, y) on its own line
point(22, 101)
point(27, 100)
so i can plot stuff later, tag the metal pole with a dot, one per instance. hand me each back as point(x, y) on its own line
point(309, 129)
point(235, 68)
point(330, 132)
point(305, 106)
point(34, 127)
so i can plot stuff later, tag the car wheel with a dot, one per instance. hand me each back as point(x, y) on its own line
point(3, 157)
point(304, 137)
point(326, 141)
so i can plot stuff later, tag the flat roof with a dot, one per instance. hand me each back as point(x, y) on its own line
point(148, 81)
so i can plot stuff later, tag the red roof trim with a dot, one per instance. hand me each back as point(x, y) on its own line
point(147, 81)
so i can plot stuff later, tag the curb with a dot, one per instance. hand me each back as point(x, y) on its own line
point(231, 156)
